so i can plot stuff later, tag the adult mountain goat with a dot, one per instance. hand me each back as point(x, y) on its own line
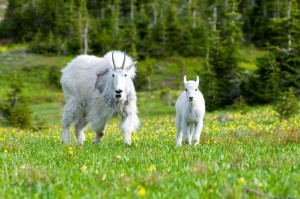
point(96, 88)
point(190, 110)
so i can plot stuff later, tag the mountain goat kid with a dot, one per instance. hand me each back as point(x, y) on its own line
point(96, 88)
point(190, 110)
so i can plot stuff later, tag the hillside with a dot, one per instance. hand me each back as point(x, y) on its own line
point(153, 74)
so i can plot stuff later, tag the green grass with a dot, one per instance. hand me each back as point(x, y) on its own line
point(253, 154)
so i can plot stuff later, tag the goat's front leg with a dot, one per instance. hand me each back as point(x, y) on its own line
point(127, 137)
point(99, 127)
point(129, 124)
point(197, 133)
point(179, 130)
point(127, 130)
point(100, 134)
point(186, 133)
point(179, 137)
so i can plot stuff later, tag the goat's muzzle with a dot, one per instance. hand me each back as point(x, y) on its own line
point(191, 99)
point(118, 94)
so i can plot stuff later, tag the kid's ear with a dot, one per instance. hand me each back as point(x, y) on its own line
point(197, 81)
point(184, 79)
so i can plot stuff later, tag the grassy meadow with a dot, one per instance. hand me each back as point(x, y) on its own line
point(254, 155)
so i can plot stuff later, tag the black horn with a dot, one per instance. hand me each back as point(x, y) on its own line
point(112, 56)
point(123, 64)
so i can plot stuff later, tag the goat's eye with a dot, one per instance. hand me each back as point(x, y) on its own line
point(125, 75)
point(113, 75)
point(185, 89)
point(196, 89)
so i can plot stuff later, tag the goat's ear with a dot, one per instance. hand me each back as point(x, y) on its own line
point(133, 64)
point(197, 81)
point(184, 79)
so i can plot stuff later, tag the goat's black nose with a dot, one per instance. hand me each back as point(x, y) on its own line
point(190, 98)
point(118, 91)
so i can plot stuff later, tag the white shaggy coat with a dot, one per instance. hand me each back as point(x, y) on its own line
point(190, 110)
point(96, 88)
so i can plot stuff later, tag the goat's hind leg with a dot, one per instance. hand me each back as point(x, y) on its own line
point(68, 116)
point(65, 132)
point(80, 125)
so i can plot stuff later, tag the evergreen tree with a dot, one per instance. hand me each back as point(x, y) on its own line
point(17, 20)
point(214, 58)
point(257, 26)
point(159, 28)
point(188, 41)
point(115, 25)
point(144, 34)
point(211, 90)
point(232, 42)
point(222, 63)
point(264, 87)
point(172, 30)
point(14, 108)
point(287, 104)
point(287, 52)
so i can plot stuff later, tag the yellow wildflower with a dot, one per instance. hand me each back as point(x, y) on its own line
point(84, 168)
point(242, 181)
point(142, 191)
point(151, 167)
point(5, 151)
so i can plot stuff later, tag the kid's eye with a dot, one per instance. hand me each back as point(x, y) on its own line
point(113, 75)
point(185, 89)
point(196, 89)
point(125, 75)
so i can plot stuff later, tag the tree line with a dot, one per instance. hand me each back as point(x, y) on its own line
point(146, 28)
point(213, 29)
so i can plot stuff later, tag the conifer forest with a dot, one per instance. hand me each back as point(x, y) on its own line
point(212, 31)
